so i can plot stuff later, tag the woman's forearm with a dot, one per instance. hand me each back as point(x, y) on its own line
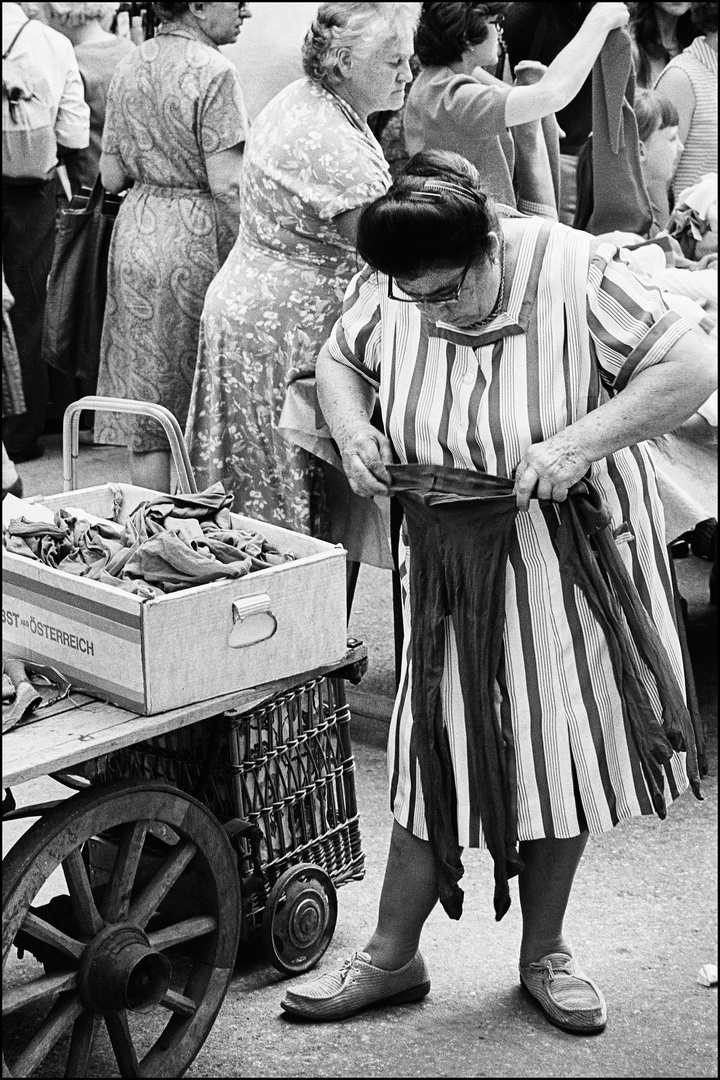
point(656, 401)
point(567, 73)
point(346, 399)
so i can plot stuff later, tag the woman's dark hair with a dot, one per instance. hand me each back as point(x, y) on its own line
point(403, 236)
point(646, 32)
point(170, 12)
point(447, 29)
point(705, 17)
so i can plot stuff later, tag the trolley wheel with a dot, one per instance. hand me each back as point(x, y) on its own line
point(299, 918)
point(124, 958)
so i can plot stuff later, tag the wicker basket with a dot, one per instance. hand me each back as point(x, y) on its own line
point(286, 768)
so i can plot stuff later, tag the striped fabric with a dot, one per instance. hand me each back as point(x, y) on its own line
point(477, 401)
point(700, 64)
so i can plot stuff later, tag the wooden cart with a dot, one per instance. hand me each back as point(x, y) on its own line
point(159, 890)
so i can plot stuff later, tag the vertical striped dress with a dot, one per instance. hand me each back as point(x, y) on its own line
point(700, 64)
point(575, 325)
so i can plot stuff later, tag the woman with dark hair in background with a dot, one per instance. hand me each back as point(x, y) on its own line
point(456, 105)
point(690, 80)
point(659, 32)
point(513, 358)
point(175, 130)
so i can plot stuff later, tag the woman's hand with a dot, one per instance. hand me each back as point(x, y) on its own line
point(364, 456)
point(608, 17)
point(528, 72)
point(549, 469)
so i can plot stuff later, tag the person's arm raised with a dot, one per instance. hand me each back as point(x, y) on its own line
point(566, 75)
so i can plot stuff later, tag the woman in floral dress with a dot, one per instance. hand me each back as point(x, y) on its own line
point(311, 164)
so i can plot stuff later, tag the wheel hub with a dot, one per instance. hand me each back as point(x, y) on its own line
point(120, 970)
point(306, 919)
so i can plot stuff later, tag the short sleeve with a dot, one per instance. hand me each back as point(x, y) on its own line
point(476, 106)
point(72, 123)
point(223, 120)
point(110, 139)
point(630, 324)
point(355, 338)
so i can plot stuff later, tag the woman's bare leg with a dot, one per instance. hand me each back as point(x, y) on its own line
point(409, 893)
point(151, 470)
point(545, 886)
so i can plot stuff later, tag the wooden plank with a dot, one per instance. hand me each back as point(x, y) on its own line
point(96, 728)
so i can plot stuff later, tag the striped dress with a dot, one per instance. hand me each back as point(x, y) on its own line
point(575, 324)
point(700, 64)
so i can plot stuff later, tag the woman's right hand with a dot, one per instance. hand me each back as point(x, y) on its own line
point(608, 17)
point(364, 456)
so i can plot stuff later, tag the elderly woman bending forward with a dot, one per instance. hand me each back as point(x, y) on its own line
point(513, 359)
point(311, 164)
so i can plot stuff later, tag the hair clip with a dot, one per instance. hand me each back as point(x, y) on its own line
point(434, 190)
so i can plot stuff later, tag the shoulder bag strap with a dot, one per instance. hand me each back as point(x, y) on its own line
point(12, 43)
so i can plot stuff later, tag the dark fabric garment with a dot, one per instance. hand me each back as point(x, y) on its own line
point(28, 217)
point(620, 197)
point(460, 525)
point(535, 31)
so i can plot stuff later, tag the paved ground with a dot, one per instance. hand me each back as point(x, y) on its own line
point(642, 919)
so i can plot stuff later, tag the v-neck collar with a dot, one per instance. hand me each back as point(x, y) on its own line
point(521, 288)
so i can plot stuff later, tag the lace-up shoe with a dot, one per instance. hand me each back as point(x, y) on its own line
point(357, 986)
point(569, 998)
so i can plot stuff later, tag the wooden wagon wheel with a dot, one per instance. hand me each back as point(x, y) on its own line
point(147, 943)
point(299, 918)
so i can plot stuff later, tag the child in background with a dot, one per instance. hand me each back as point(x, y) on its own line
point(660, 148)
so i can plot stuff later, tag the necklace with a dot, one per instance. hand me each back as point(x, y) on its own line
point(497, 306)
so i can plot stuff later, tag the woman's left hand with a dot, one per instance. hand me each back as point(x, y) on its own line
point(549, 469)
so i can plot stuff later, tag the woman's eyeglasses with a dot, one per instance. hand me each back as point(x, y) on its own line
point(442, 296)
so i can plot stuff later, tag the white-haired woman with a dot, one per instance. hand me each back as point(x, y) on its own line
point(311, 164)
point(98, 53)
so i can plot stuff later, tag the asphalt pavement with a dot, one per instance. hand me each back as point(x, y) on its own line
point(642, 918)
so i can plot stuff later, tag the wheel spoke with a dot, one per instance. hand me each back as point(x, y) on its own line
point(152, 895)
point(182, 931)
point(44, 987)
point(117, 898)
point(63, 1013)
point(78, 884)
point(178, 1003)
point(45, 931)
point(122, 1043)
point(81, 1045)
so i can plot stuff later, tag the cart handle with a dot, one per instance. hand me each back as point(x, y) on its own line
point(71, 436)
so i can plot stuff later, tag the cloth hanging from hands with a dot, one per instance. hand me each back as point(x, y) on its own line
point(621, 199)
point(460, 526)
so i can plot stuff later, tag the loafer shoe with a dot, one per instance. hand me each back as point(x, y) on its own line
point(569, 998)
point(357, 986)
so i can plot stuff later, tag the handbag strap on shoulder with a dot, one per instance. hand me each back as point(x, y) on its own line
point(11, 46)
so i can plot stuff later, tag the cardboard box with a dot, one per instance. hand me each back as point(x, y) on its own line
point(150, 655)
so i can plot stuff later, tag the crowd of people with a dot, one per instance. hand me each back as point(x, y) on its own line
point(422, 270)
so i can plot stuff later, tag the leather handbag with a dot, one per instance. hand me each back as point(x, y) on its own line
point(77, 285)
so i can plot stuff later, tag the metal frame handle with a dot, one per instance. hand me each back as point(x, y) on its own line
point(71, 436)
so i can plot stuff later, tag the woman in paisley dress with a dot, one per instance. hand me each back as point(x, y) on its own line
point(175, 128)
point(311, 164)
